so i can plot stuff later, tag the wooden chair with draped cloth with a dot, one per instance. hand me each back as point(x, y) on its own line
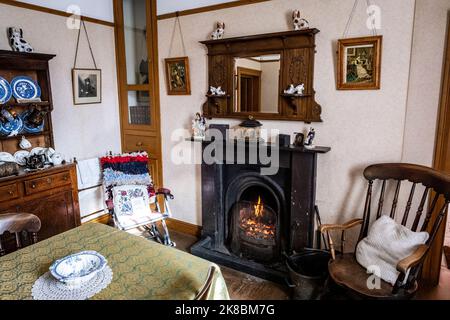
point(17, 224)
point(345, 270)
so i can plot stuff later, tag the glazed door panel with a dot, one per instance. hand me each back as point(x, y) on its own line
point(137, 66)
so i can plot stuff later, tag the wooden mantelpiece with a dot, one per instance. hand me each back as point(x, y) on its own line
point(297, 51)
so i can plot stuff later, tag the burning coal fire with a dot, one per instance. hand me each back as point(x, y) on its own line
point(255, 225)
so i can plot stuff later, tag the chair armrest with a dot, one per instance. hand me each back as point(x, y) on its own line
point(331, 227)
point(413, 260)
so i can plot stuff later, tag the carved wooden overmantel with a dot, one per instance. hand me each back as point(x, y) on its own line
point(297, 51)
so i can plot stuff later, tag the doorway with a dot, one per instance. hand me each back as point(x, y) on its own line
point(432, 268)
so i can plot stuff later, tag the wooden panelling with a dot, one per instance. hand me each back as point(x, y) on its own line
point(209, 8)
point(184, 227)
point(53, 11)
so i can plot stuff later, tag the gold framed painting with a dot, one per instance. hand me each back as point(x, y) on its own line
point(177, 76)
point(359, 63)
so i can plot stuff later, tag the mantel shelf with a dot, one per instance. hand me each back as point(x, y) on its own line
point(223, 96)
point(295, 96)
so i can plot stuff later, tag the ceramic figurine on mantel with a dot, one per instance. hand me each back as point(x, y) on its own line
point(309, 142)
point(199, 127)
point(216, 91)
point(299, 23)
point(295, 90)
point(219, 32)
point(17, 42)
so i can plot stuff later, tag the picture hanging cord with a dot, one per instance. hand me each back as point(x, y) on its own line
point(177, 21)
point(78, 45)
point(352, 14)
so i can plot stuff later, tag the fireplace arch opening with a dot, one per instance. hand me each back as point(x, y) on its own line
point(255, 220)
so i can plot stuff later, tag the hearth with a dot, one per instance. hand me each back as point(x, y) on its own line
point(251, 221)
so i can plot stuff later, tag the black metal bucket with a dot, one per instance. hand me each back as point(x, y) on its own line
point(308, 271)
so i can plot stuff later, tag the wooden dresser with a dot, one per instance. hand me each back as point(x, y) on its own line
point(51, 194)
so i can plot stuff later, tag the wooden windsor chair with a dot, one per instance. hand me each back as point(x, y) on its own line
point(344, 269)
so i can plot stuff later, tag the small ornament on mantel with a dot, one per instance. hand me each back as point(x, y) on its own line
point(219, 32)
point(309, 142)
point(199, 127)
point(299, 23)
point(17, 42)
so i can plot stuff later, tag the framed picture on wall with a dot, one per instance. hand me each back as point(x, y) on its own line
point(177, 76)
point(359, 63)
point(87, 86)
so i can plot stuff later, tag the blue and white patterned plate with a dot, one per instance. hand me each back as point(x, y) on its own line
point(78, 268)
point(25, 88)
point(28, 127)
point(13, 127)
point(5, 91)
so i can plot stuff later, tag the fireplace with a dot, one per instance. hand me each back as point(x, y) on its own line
point(255, 233)
point(251, 221)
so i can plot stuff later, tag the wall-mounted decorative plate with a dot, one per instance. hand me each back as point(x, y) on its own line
point(13, 127)
point(5, 91)
point(25, 88)
point(28, 127)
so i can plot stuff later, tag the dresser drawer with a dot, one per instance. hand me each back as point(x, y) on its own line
point(140, 143)
point(9, 192)
point(47, 183)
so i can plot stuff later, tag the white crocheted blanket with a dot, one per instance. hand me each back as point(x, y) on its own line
point(386, 245)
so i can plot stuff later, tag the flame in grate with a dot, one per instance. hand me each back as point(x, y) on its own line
point(255, 226)
point(259, 208)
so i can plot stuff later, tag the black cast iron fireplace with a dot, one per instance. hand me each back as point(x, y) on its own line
point(251, 221)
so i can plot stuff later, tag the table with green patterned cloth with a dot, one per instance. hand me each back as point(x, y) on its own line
point(142, 269)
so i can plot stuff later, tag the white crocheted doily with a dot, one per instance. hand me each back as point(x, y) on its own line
point(48, 288)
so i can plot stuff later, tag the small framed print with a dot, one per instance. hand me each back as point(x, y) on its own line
point(177, 76)
point(359, 63)
point(87, 86)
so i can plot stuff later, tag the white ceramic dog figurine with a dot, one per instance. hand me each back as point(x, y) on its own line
point(290, 90)
point(219, 32)
point(216, 91)
point(299, 23)
point(17, 42)
point(300, 89)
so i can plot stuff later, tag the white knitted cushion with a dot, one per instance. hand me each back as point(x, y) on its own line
point(386, 245)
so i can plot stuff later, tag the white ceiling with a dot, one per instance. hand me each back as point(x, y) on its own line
point(103, 9)
point(168, 6)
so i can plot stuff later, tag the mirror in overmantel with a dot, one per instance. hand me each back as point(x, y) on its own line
point(257, 85)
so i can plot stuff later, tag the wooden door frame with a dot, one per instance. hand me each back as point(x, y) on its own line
point(154, 129)
point(432, 267)
point(249, 72)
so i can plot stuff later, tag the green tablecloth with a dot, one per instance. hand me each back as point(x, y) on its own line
point(142, 269)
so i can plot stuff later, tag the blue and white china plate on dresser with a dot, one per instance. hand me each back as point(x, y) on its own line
point(5, 91)
point(25, 88)
point(12, 127)
point(29, 128)
point(78, 268)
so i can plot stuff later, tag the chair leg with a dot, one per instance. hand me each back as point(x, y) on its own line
point(18, 240)
point(167, 240)
point(2, 251)
point(34, 238)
